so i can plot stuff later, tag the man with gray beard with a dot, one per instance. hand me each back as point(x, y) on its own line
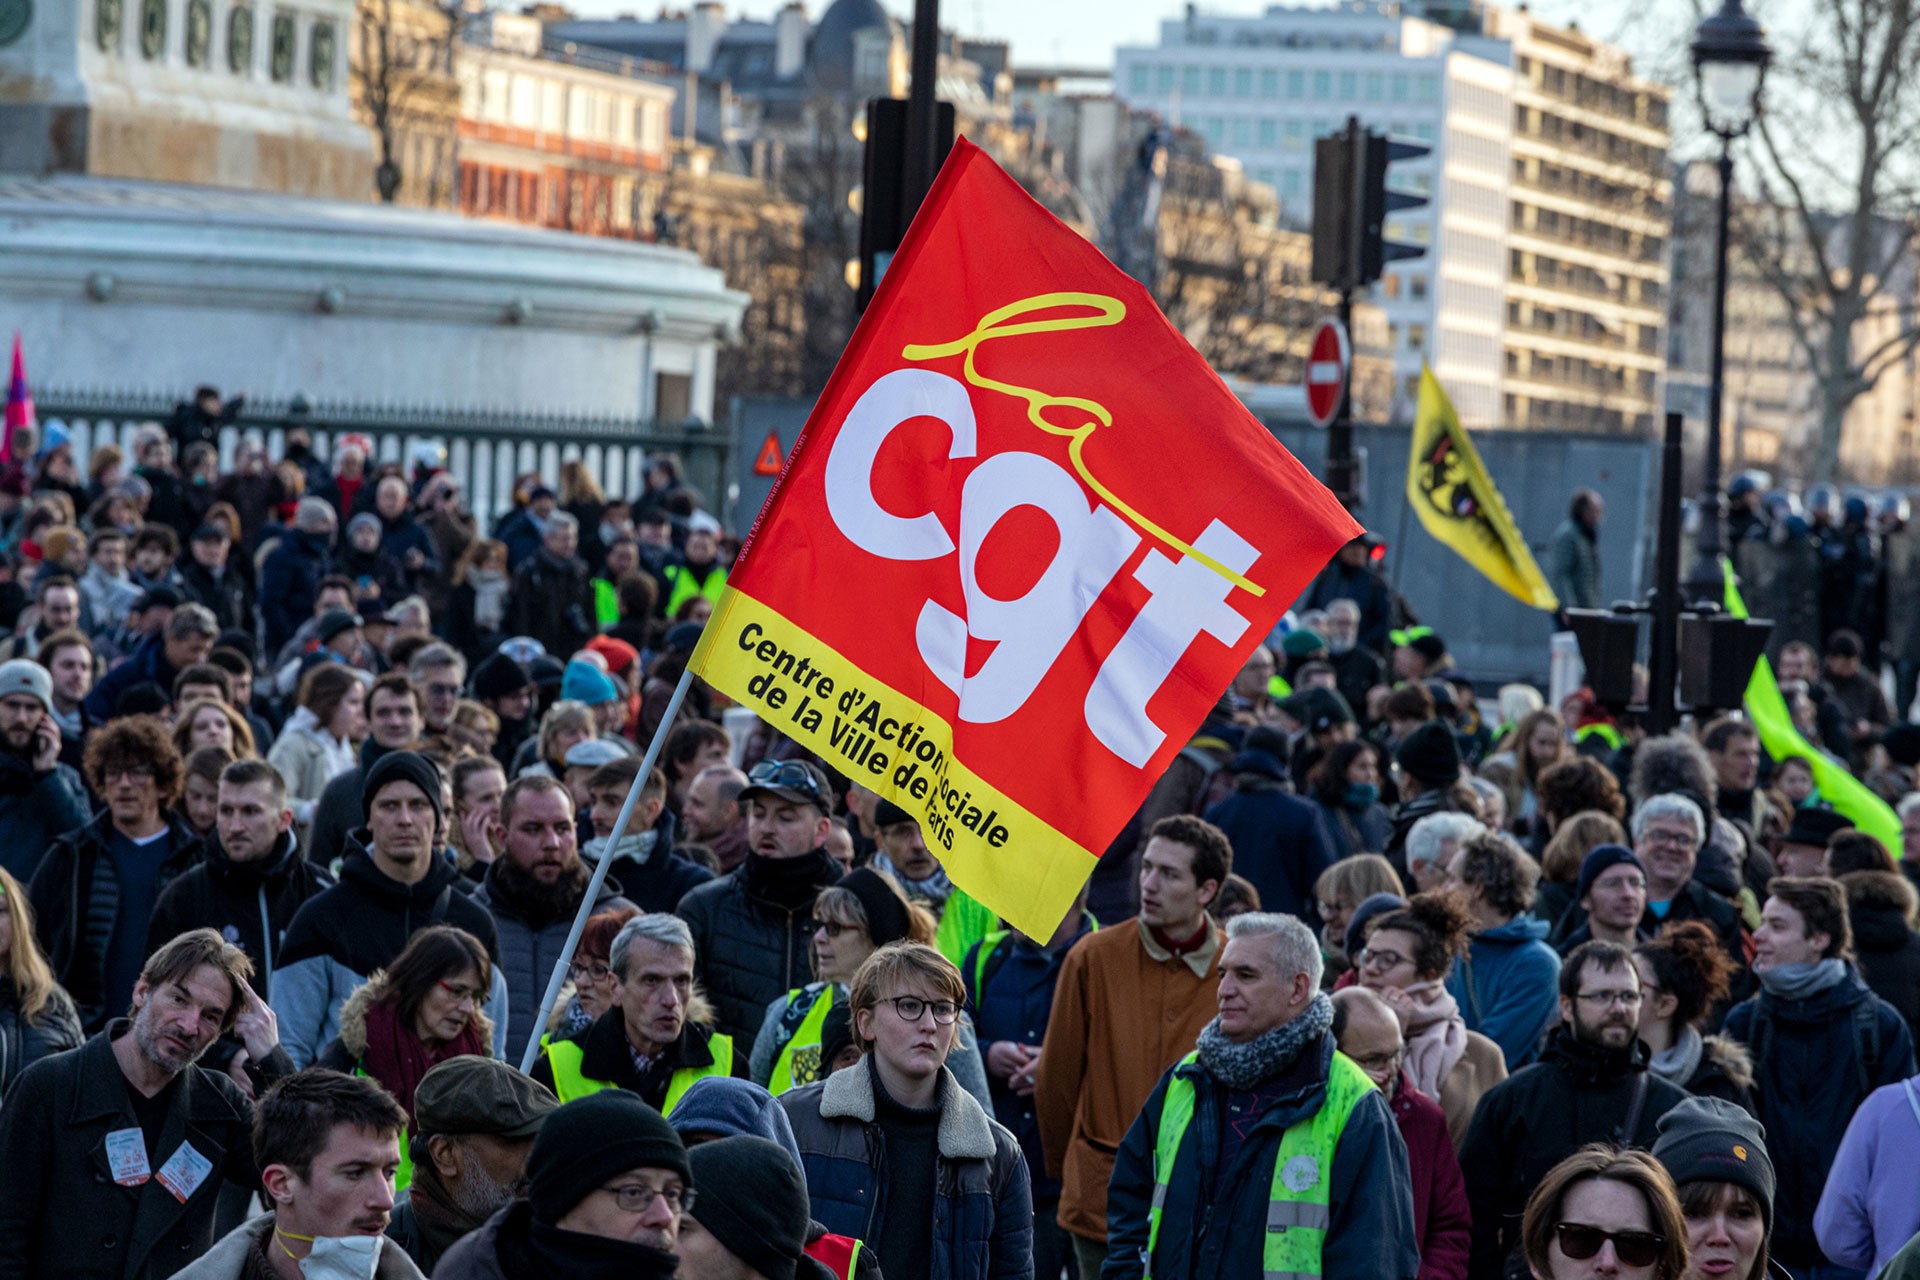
point(474, 1122)
point(131, 1107)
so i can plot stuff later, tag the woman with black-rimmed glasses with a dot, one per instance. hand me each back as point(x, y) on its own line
point(896, 1153)
point(1605, 1212)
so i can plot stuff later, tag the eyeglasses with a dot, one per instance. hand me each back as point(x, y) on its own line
point(1373, 958)
point(791, 774)
point(131, 772)
point(1634, 1248)
point(593, 971)
point(911, 1009)
point(461, 994)
point(1607, 999)
point(833, 928)
point(1381, 1064)
point(1671, 838)
point(634, 1198)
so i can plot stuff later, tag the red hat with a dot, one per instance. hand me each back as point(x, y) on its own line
point(619, 654)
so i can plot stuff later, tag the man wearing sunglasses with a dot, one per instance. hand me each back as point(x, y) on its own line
point(752, 927)
point(1591, 1084)
point(1264, 1150)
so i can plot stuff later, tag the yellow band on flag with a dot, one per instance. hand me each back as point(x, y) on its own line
point(890, 744)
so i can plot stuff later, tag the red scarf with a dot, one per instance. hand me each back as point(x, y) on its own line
point(397, 1058)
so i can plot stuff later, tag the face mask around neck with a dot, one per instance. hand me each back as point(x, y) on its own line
point(338, 1257)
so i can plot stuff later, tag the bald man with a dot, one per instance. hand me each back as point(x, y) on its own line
point(1368, 1031)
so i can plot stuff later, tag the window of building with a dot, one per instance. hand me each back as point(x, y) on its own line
point(1349, 85)
point(1163, 79)
point(1290, 184)
point(1137, 77)
point(1323, 85)
point(1268, 130)
point(1296, 84)
point(1371, 86)
point(1296, 134)
point(1416, 287)
point(1243, 82)
point(672, 397)
point(1397, 88)
point(1269, 84)
point(1416, 337)
point(1217, 81)
point(1190, 80)
point(1242, 132)
point(1426, 88)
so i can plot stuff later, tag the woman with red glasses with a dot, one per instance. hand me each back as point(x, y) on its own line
point(423, 1009)
point(1605, 1212)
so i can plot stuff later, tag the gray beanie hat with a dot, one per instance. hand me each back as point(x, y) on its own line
point(1713, 1140)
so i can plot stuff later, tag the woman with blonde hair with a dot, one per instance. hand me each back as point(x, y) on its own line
point(1539, 743)
point(865, 911)
point(209, 722)
point(1340, 889)
point(37, 1018)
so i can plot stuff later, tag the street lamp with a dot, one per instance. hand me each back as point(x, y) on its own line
point(1730, 56)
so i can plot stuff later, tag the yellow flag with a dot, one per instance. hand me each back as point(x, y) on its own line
point(1449, 487)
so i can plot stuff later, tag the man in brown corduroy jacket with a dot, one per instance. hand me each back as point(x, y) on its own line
point(1131, 1001)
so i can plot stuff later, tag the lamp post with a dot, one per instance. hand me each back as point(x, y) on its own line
point(1730, 56)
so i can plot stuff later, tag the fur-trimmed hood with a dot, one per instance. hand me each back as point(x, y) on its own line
point(965, 1131)
point(353, 1018)
point(1731, 1057)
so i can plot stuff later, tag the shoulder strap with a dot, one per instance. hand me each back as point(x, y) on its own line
point(440, 906)
point(1866, 1043)
point(1634, 1108)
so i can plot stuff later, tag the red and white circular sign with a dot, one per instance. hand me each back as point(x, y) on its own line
point(1327, 360)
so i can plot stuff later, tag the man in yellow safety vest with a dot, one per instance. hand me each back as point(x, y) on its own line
point(646, 1042)
point(1264, 1152)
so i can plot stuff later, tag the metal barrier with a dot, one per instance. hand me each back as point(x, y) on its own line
point(484, 451)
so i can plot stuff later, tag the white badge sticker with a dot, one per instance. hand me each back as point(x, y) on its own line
point(127, 1157)
point(183, 1172)
point(1298, 1175)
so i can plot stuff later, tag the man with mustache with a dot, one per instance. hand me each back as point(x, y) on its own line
point(533, 890)
point(327, 1145)
point(475, 1120)
point(132, 1107)
point(1591, 1084)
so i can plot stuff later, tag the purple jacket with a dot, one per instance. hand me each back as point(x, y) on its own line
point(1869, 1210)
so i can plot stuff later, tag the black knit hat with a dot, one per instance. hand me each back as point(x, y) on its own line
point(752, 1199)
point(1430, 755)
point(1713, 1140)
point(401, 766)
point(1602, 858)
point(498, 676)
point(589, 1141)
point(887, 918)
point(836, 1035)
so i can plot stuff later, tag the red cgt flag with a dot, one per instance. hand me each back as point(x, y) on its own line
point(1025, 540)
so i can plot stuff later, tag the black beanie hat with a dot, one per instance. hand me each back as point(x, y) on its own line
point(836, 1034)
point(751, 1198)
point(1430, 755)
point(1597, 863)
point(887, 918)
point(499, 676)
point(589, 1141)
point(1713, 1140)
point(401, 766)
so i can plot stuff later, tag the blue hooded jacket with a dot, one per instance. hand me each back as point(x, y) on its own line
point(1508, 987)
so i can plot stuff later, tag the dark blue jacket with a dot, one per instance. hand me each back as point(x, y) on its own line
point(982, 1226)
point(1280, 842)
point(1209, 1236)
point(35, 810)
point(397, 537)
point(1366, 588)
point(1508, 986)
point(289, 581)
point(1016, 1006)
point(148, 664)
point(1808, 1081)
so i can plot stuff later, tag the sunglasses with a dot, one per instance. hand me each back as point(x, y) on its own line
point(1634, 1248)
point(790, 774)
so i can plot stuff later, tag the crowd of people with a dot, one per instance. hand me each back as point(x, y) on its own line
point(304, 780)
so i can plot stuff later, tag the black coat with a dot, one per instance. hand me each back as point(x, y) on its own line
point(751, 938)
point(24, 1041)
point(289, 581)
point(1884, 944)
point(227, 595)
point(553, 603)
point(63, 1214)
point(59, 894)
point(252, 904)
point(1538, 1116)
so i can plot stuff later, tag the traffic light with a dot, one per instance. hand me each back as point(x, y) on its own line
point(884, 217)
point(1351, 203)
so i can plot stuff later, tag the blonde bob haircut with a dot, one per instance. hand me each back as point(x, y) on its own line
point(901, 968)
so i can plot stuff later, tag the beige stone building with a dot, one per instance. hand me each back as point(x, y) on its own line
point(1587, 246)
point(404, 90)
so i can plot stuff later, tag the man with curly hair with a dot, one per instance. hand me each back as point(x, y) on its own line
point(1505, 981)
point(95, 890)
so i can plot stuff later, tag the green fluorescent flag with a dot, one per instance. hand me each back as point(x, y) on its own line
point(1838, 787)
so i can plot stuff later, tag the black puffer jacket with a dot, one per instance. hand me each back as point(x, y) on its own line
point(251, 903)
point(24, 1041)
point(1575, 1094)
point(750, 936)
point(1880, 903)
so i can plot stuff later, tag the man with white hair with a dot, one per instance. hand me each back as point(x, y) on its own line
point(1668, 832)
point(1263, 1150)
point(1431, 845)
point(552, 598)
point(1356, 668)
point(645, 1041)
point(291, 574)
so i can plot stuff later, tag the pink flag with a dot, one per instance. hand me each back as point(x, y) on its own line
point(19, 402)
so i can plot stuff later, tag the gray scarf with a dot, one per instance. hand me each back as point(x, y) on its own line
point(1803, 981)
point(936, 888)
point(1242, 1066)
point(1678, 1061)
